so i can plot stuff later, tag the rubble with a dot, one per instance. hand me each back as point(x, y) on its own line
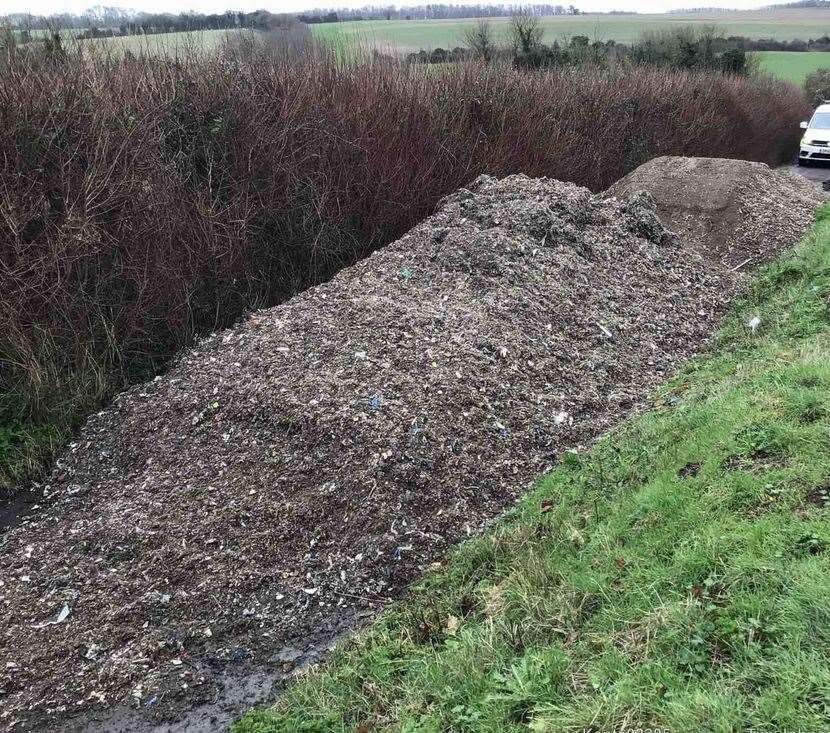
point(288, 476)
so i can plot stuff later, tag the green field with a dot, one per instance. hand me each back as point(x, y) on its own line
point(792, 65)
point(167, 43)
point(674, 577)
point(412, 35)
point(788, 65)
point(66, 33)
point(156, 44)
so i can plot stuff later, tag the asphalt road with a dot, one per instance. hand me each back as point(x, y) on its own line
point(813, 173)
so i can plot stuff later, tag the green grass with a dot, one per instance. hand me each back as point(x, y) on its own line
point(676, 575)
point(412, 35)
point(29, 443)
point(793, 65)
point(170, 43)
point(25, 447)
point(154, 44)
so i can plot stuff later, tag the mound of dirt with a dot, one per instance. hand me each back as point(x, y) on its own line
point(736, 212)
point(288, 476)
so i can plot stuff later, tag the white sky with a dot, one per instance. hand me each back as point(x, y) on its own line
point(47, 7)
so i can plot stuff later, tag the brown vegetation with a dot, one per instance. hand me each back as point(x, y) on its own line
point(144, 201)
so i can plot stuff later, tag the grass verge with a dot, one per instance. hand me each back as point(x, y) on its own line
point(676, 575)
point(26, 446)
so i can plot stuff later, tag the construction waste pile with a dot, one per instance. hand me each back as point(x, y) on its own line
point(288, 476)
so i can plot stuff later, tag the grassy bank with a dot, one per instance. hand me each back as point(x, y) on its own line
point(145, 201)
point(675, 575)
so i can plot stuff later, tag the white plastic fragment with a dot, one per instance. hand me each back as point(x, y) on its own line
point(63, 614)
point(605, 331)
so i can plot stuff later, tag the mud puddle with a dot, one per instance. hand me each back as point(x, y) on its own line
point(233, 692)
point(15, 509)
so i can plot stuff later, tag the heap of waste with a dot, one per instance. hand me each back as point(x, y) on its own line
point(739, 213)
point(288, 476)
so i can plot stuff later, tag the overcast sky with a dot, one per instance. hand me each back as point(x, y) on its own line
point(47, 7)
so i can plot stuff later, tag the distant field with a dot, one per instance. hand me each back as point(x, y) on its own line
point(170, 43)
point(401, 35)
point(792, 65)
point(411, 35)
point(65, 32)
point(156, 43)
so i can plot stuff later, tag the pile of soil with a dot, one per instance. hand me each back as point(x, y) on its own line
point(290, 475)
point(737, 212)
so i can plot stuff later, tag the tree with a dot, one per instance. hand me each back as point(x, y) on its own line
point(8, 45)
point(53, 47)
point(525, 33)
point(734, 61)
point(817, 85)
point(479, 39)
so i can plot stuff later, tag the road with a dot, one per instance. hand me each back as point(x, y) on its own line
point(817, 174)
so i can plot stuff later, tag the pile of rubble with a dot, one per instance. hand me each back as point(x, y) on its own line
point(288, 476)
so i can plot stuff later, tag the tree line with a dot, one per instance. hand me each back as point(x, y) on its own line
point(679, 48)
point(430, 12)
point(100, 21)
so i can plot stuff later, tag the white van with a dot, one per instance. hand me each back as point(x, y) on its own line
point(815, 145)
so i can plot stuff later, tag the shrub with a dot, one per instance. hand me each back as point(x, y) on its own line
point(817, 86)
point(688, 47)
point(146, 200)
point(480, 39)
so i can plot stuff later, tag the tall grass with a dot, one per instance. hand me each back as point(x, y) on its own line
point(147, 200)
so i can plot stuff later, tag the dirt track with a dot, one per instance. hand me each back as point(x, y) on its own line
point(816, 174)
point(290, 475)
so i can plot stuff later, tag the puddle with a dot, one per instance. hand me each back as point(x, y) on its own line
point(15, 509)
point(235, 691)
point(239, 692)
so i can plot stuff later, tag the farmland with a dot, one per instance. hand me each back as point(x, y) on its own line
point(164, 44)
point(792, 65)
point(401, 36)
point(412, 35)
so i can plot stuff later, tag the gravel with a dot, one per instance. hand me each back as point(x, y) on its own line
point(288, 476)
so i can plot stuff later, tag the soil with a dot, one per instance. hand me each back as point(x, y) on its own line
point(215, 529)
point(21, 503)
point(740, 213)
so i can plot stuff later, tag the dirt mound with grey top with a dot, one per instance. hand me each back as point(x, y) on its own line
point(739, 213)
point(288, 476)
